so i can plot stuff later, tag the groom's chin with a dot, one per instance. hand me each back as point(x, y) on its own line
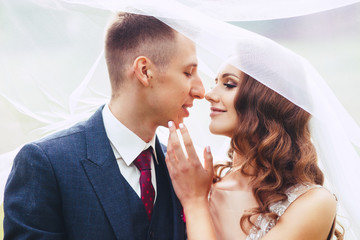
point(178, 121)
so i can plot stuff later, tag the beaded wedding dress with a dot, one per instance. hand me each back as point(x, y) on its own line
point(226, 211)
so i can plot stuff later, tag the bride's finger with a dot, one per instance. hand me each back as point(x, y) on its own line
point(169, 164)
point(208, 161)
point(172, 159)
point(175, 143)
point(189, 146)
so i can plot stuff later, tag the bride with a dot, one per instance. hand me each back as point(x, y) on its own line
point(272, 188)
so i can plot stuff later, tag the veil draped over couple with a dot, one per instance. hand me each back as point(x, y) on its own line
point(292, 160)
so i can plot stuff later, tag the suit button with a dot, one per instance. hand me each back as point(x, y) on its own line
point(152, 235)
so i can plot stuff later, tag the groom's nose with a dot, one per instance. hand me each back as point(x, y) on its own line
point(197, 88)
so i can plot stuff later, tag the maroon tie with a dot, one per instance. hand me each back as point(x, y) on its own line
point(143, 163)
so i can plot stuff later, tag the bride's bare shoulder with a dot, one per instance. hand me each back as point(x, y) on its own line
point(317, 202)
point(311, 214)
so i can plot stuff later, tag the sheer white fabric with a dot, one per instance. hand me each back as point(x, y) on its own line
point(227, 10)
point(45, 90)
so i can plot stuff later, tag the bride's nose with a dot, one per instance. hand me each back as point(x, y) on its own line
point(211, 96)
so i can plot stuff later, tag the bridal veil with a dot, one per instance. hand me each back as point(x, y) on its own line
point(44, 90)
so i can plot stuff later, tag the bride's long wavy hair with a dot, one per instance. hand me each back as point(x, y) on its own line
point(274, 138)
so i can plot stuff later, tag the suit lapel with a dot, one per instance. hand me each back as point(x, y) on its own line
point(104, 175)
point(111, 187)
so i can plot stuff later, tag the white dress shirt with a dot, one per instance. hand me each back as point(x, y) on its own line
point(126, 146)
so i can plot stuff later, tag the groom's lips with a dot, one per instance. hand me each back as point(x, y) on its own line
point(185, 108)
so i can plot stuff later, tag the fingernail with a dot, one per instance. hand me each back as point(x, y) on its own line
point(208, 149)
point(170, 124)
point(181, 125)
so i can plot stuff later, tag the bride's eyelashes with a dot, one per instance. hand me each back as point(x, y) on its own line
point(229, 85)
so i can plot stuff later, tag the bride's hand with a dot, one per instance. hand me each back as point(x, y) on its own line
point(190, 179)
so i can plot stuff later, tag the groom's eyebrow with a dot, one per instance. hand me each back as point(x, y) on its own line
point(191, 65)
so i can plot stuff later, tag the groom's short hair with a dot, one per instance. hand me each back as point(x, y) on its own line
point(133, 35)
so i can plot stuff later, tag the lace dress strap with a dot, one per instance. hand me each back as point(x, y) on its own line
point(292, 193)
point(265, 224)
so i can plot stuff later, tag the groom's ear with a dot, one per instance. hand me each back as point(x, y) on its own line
point(142, 69)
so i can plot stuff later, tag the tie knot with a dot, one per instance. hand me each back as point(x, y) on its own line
point(142, 162)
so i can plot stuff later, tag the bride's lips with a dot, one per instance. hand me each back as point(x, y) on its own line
point(216, 111)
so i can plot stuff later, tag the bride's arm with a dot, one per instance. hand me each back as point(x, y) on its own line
point(191, 183)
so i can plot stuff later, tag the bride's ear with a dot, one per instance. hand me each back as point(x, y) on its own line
point(142, 69)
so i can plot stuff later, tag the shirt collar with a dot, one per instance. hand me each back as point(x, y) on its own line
point(126, 144)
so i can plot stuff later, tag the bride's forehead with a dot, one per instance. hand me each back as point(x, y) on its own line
point(228, 68)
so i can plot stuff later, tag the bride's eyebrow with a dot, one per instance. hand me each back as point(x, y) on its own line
point(230, 74)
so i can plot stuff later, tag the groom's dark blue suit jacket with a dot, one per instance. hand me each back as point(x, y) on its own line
point(69, 186)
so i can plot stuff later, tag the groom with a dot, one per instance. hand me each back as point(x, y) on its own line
point(83, 183)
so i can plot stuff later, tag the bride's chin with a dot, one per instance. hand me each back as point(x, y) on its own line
point(215, 130)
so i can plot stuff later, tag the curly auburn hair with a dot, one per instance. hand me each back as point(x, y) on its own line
point(273, 136)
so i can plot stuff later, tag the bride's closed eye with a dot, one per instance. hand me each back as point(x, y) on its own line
point(229, 85)
point(225, 82)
